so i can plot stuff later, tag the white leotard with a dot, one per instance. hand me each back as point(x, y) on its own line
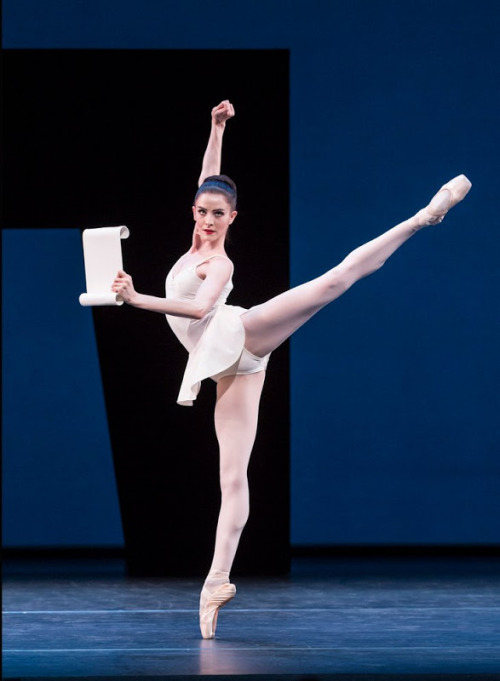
point(216, 343)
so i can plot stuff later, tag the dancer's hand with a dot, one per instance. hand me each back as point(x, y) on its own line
point(124, 287)
point(222, 112)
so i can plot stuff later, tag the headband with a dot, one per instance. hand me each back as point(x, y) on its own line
point(217, 184)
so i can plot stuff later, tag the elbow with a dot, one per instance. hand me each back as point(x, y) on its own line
point(199, 312)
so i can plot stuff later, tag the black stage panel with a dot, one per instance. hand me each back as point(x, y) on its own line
point(109, 137)
point(374, 619)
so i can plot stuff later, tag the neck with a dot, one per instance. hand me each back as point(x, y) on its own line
point(206, 247)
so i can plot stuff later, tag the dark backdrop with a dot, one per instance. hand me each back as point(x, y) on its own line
point(97, 138)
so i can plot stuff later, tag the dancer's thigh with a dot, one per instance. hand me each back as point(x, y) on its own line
point(270, 324)
point(236, 415)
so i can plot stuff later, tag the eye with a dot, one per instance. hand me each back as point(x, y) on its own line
point(202, 211)
point(219, 213)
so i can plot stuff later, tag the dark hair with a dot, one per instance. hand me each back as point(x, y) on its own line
point(219, 184)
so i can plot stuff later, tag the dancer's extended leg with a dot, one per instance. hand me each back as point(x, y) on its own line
point(270, 324)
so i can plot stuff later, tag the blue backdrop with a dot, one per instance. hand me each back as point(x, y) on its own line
point(58, 480)
point(394, 413)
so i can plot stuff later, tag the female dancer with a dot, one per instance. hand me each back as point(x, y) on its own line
point(232, 345)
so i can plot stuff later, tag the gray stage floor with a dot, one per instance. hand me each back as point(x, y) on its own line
point(342, 618)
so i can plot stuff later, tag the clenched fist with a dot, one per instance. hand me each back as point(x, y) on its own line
point(124, 286)
point(223, 112)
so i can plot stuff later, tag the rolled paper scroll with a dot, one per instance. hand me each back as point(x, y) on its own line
point(102, 252)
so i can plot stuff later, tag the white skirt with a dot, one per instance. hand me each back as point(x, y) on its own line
point(219, 352)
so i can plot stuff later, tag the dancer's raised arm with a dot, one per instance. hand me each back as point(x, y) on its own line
point(213, 153)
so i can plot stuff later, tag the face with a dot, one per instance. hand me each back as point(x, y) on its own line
point(212, 215)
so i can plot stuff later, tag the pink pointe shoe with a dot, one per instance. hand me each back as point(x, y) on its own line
point(443, 201)
point(210, 604)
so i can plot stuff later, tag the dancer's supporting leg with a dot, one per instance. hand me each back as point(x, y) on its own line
point(236, 413)
point(270, 324)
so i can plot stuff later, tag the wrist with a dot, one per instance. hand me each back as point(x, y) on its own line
point(134, 300)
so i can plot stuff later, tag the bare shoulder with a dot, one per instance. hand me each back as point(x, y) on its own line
point(218, 266)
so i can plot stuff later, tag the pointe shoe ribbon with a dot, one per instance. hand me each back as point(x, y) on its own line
point(211, 602)
point(458, 188)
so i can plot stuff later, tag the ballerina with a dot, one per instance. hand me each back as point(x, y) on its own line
point(232, 345)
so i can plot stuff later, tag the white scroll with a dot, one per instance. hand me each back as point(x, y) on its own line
point(102, 252)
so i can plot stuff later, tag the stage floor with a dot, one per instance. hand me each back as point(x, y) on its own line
point(331, 618)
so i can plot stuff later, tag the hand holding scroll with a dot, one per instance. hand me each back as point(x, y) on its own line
point(123, 286)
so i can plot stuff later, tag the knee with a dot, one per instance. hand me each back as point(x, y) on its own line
point(233, 483)
point(235, 499)
point(339, 279)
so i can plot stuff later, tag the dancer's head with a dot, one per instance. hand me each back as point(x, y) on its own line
point(214, 207)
